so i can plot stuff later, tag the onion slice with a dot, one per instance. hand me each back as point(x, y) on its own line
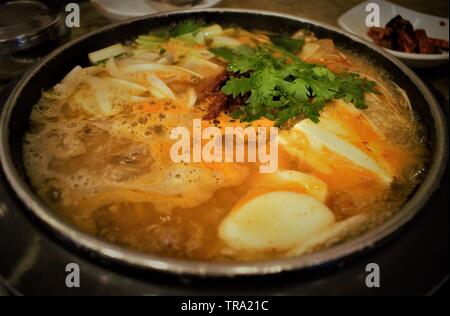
point(72, 80)
point(127, 85)
point(112, 69)
point(191, 98)
point(195, 62)
point(101, 95)
point(158, 84)
point(224, 41)
point(158, 67)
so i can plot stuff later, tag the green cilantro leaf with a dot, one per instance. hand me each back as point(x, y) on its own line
point(352, 88)
point(237, 86)
point(291, 45)
point(283, 88)
point(186, 27)
point(224, 52)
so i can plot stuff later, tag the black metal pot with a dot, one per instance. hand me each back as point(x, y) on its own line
point(51, 70)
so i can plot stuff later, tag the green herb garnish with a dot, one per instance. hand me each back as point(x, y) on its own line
point(186, 27)
point(291, 45)
point(282, 88)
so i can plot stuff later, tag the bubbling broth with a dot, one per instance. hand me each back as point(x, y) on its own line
point(350, 148)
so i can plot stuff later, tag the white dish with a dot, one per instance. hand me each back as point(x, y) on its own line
point(119, 10)
point(437, 27)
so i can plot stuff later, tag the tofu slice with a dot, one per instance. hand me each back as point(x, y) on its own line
point(319, 137)
point(276, 221)
point(285, 179)
point(332, 235)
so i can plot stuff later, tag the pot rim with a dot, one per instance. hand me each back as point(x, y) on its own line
point(132, 258)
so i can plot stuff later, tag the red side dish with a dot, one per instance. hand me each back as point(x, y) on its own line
point(399, 35)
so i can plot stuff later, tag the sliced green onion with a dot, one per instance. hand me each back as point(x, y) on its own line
point(208, 32)
point(106, 53)
point(224, 41)
point(189, 38)
point(150, 40)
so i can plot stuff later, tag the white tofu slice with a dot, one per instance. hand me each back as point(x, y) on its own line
point(283, 179)
point(319, 137)
point(276, 221)
point(332, 235)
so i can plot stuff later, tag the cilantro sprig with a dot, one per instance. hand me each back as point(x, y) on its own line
point(279, 86)
point(290, 44)
point(186, 27)
point(179, 29)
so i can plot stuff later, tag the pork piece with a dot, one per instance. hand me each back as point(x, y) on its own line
point(217, 104)
point(406, 42)
point(425, 46)
point(235, 103)
point(381, 36)
point(438, 43)
point(208, 86)
point(399, 34)
point(399, 23)
point(404, 35)
point(210, 92)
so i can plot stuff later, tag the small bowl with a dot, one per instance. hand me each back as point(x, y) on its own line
point(119, 10)
point(437, 27)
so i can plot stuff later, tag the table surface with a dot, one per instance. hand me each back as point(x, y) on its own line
point(326, 11)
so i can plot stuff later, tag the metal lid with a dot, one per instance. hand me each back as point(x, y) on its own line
point(24, 24)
